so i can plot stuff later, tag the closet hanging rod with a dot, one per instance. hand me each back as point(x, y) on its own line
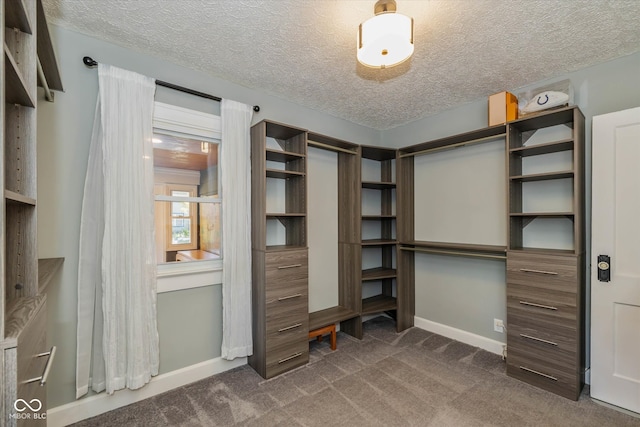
point(90, 62)
point(48, 95)
point(329, 147)
point(454, 253)
point(459, 144)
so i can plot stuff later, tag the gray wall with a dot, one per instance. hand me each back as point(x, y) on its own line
point(467, 293)
point(189, 321)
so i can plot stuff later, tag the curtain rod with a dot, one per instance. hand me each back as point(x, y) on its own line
point(90, 62)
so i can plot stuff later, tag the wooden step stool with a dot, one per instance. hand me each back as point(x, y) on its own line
point(318, 333)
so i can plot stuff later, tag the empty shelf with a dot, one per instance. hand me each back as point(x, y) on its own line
point(378, 304)
point(378, 273)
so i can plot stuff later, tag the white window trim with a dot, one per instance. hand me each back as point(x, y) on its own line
point(180, 276)
point(183, 120)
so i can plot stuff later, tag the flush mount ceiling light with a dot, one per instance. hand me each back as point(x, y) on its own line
point(386, 39)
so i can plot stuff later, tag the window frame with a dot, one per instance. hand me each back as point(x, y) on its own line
point(179, 121)
point(192, 217)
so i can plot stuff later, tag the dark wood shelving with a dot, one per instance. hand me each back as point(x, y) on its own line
point(282, 156)
point(542, 176)
point(543, 251)
point(378, 273)
point(280, 131)
point(534, 273)
point(378, 304)
point(377, 217)
point(378, 153)
point(468, 247)
point(547, 148)
point(374, 185)
point(541, 214)
point(279, 248)
point(283, 174)
point(322, 141)
point(383, 190)
point(330, 316)
point(16, 16)
point(279, 261)
point(378, 242)
point(285, 215)
point(468, 138)
point(560, 116)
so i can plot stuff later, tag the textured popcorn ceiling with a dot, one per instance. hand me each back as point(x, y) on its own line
point(304, 50)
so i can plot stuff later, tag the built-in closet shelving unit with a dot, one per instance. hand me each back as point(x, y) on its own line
point(28, 58)
point(379, 241)
point(408, 245)
point(280, 266)
point(347, 312)
point(281, 321)
point(545, 283)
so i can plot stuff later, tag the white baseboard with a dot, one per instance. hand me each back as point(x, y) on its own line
point(475, 340)
point(100, 403)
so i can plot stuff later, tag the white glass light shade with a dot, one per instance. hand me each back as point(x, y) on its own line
point(385, 40)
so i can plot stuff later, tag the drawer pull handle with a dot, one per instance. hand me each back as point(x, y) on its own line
point(47, 368)
point(283, 267)
point(529, 270)
point(297, 325)
point(286, 359)
point(532, 304)
point(289, 297)
point(538, 339)
point(538, 373)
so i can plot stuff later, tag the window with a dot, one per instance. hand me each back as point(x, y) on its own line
point(188, 218)
point(182, 234)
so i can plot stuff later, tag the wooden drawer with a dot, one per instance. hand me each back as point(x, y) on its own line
point(542, 303)
point(286, 357)
point(279, 319)
point(544, 373)
point(284, 267)
point(545, 340)
point(545, 271)
point(24, 366)
point(283, 293)
point(280, 340)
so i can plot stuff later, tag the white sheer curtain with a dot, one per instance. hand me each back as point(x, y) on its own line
point(117, 341)
point(236, 229)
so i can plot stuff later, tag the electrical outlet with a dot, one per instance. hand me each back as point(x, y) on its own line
point(498, 325)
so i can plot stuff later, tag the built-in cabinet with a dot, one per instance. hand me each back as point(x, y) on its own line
point(545, 242)
point(281, 321)
point(279, 252)
point(378, 241)
point(25, 360)
point(544, 251)
point(545, 283)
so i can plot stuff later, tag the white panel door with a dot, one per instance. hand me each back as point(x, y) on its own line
point(615, 305)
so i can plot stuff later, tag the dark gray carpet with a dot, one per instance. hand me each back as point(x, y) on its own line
point(414, 378)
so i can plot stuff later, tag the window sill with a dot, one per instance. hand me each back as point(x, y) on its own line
point(188, 275)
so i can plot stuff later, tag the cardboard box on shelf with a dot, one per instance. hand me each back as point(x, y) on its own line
point(503, 107)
